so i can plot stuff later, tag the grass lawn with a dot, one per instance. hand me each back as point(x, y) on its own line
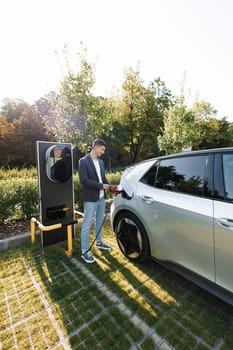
point(50, 301)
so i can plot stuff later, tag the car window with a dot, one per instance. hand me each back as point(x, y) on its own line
point(149, 177)
point(183, 174)
point(228, 176)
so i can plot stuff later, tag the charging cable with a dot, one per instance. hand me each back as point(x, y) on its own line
point(96, 235)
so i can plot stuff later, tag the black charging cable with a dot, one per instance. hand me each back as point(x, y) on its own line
point(96, 235)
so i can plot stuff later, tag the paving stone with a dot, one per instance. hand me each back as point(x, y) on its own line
point(65, 328)
point(114, 298)
point(165, 346)
point(122, 306)
point(157, 339)
point(127, 312)
point(136, 321)
point(144, 327)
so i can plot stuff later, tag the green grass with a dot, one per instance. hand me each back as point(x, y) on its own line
point(46, 300)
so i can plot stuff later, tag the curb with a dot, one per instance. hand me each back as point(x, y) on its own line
point(15, 241)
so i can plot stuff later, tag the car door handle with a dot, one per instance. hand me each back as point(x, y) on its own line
point(147, 199)
point(226, 222)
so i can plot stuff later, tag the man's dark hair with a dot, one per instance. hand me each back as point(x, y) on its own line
point(99, 142)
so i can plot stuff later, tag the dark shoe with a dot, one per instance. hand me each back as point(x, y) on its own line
point(88, 258)
point(103, 246)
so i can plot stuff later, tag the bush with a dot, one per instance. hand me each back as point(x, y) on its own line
point(19, 193)
point(18, 198)
point(114, 178)
point(17, 173)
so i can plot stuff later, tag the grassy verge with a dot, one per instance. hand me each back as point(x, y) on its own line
point(48, 302)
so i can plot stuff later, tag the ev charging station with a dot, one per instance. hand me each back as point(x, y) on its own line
point(56, 191)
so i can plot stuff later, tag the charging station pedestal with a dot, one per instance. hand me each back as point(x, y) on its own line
point(56, 190)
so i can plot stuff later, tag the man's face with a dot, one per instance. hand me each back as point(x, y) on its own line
point(99, 150)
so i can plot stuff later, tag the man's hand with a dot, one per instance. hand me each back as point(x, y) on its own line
point(106, 186)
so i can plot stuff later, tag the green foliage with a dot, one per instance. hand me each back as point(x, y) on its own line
point(203, 110)
point(141, 114)
point(103, 112)
point(197, 128)
point(180, 130)
point(214, 133)
point(68, 110)
point(19, 193)
point(145, 299)
point(18, 198)
point(114, 178)
point(132, 111)
point(138, 122)
point(6, 174)
point(77, 193)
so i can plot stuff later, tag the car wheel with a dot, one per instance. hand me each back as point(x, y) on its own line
point(132, 237)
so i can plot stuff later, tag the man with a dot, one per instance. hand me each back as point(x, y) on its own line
point(94, 182)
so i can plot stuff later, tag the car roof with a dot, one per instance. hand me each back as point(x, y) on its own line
point(190, 153)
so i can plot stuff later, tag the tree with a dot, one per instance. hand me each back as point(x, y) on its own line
point(141, 114)
point(69, 108)
point(196, 127)
point(45, 107)
point(101, 120)
point(5, 131)
point(158, 100)
point(214, 133)
point(26, 131)
point(132, 108)
point(18, 138)
point(180, 129)
point(203, 110)
point(13, 108)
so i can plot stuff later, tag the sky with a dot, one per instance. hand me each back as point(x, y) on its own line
point(162, 38)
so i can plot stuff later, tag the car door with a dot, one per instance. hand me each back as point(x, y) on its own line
point(179, 214)
point(223, 220)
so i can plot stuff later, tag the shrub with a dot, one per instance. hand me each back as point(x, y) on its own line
point(114, 178)
point(17, 173)
point(18, 198)
point(19, 193)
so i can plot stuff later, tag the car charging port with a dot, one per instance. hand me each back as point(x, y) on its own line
point(115, 190)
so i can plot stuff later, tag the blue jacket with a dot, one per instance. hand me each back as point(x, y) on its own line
point(89, 178)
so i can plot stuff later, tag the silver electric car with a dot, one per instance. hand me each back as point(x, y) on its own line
point(178, 209)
